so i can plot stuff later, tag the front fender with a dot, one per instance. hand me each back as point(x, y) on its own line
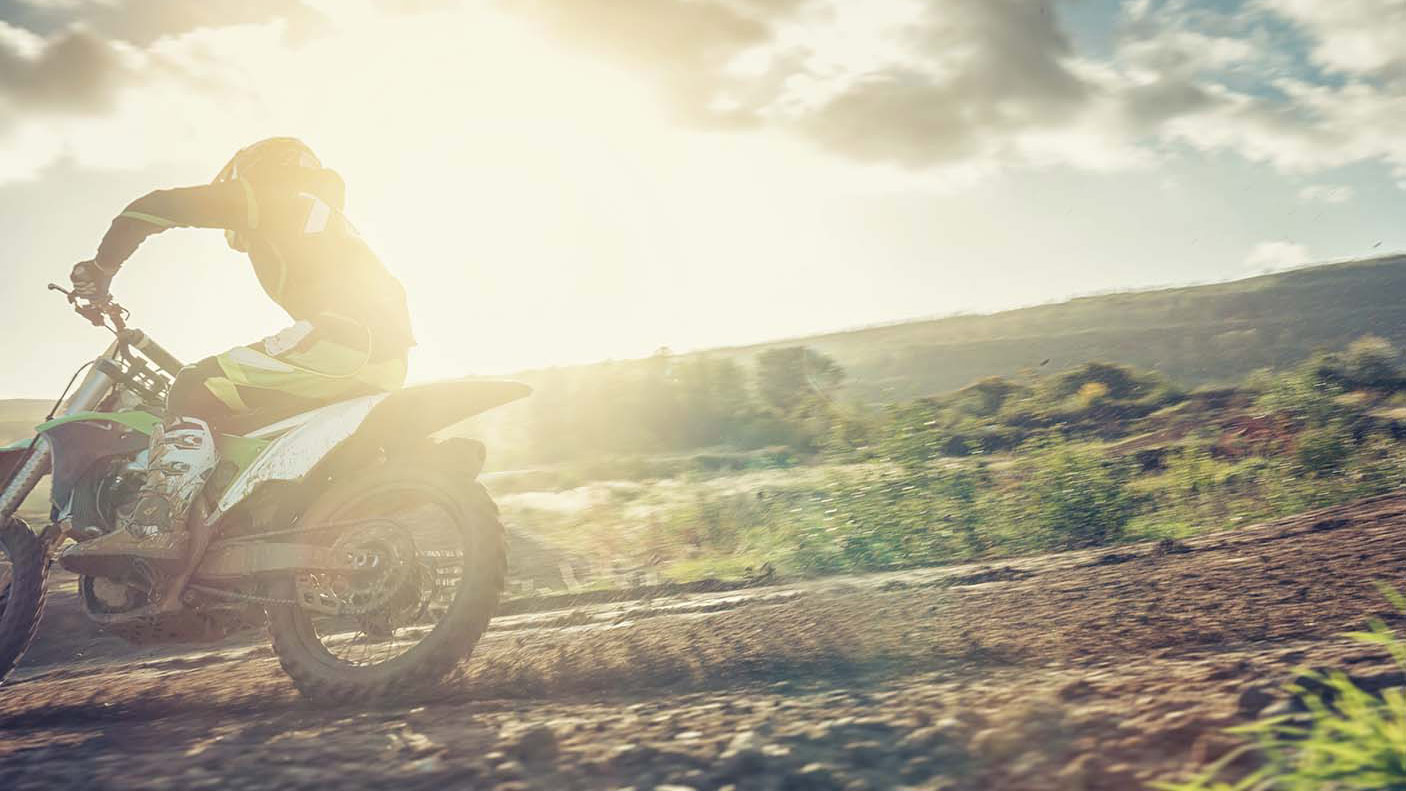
point(80, 440)
point(382, 419)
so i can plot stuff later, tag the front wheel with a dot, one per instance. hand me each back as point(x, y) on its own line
point(24, 569)
point(435, 561)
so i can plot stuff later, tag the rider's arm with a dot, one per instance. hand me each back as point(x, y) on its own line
point(229, 205)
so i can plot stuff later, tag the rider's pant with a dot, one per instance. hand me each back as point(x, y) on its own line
point(300, 368)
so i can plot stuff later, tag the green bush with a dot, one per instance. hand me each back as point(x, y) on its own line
point(1324, 451)
point(1081, 498)
point(1304, 394)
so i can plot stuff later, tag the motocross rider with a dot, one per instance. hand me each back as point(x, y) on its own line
point(350, 335)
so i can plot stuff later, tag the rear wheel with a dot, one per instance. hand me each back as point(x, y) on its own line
point(24, 569)
point(431, 559)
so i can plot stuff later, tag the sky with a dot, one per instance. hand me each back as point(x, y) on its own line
point(563, 181)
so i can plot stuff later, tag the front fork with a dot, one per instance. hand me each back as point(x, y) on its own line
point(88, 397)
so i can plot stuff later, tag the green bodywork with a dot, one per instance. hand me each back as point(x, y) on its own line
point(145, 422)
point(239, 451)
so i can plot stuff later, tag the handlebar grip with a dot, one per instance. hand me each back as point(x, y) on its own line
point(153, 351)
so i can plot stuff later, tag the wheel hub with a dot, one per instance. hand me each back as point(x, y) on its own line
point(382, 560)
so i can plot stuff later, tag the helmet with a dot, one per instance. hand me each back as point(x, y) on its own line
point(282, 163)
point(268, 160)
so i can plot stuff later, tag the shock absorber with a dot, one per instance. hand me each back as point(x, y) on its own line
point(36, 466)
point(90, 393)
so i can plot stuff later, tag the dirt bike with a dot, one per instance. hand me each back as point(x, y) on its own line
point(371, 551)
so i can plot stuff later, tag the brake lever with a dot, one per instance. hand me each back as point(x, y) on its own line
point(97, 313)
point(72, 297)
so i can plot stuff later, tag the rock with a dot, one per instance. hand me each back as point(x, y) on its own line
point(1076, 690)
point(745, 740)
point(925, 740)
point(1088, 773)
point(630, 756)
point(426, 765)
point(691, 777)
point(918, 769)
point(508, 770)
point(1229, 670)
point(1253, 700)
point(741, 761)
point(998, 744)
point(531, 744)
point(864, 754)
point(1077, 774)
point(1210, 747)
point(812, 777)
point(1170, 546)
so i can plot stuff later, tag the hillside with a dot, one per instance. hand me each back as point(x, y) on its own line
point(18, 416)
point(1193, 335)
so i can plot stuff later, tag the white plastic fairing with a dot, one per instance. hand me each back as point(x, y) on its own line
point(307, 439)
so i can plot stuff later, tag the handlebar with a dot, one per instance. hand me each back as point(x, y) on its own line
point(99, 312)
point(107, 313)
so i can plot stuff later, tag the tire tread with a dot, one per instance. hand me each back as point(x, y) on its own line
point(310, 676)
point(24, 599)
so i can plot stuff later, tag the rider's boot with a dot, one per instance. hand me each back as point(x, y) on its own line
point(153, 534)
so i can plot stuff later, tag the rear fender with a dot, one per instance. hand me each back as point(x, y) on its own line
point(313, 440)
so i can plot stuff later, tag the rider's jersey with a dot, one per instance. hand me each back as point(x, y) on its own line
point(307, 256)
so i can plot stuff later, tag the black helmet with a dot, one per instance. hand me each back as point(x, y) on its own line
point(269, 160)
point(282, 164)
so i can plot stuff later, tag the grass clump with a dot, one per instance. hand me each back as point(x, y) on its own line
point(1348, 739)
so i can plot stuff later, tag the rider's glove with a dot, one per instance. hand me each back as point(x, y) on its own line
point(90, 281)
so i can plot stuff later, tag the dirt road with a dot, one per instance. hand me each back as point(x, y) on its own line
point(1079, 671)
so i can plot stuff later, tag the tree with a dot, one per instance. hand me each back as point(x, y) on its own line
point(790, 377)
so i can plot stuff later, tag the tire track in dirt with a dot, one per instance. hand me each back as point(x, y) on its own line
point(1097, 669)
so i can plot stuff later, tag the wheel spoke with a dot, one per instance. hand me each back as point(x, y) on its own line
point(420, 563)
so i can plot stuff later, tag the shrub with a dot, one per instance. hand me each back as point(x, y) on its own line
point(1081, 498)
point(1324, 451)
point(1370, 361)
point(1303, 394)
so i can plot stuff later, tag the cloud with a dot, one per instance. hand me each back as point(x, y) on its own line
point(1271, 256)
point(141, 22)
point(1217, 81)
point(687, 49)
point(980, 73)
point(1360, 37)
point(931, 86)
point(912, 83)
point(73, 72)
point(1326, 193)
